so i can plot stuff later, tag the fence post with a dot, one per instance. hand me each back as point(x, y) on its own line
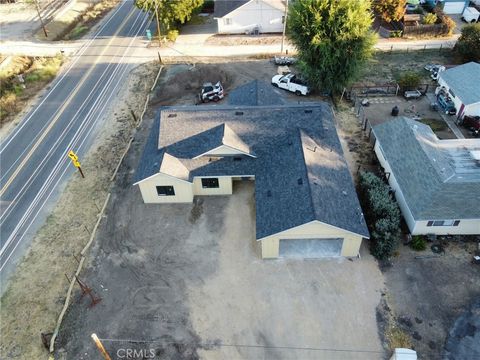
point(391, 48)
point(440, 50)
point(424, 47)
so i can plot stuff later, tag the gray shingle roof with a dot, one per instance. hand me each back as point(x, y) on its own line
point(255, 93)
point(439, 178)
point(464, 80)
point(293, 183)
point(224, 7)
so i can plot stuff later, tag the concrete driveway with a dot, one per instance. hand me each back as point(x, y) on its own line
point(187, 281)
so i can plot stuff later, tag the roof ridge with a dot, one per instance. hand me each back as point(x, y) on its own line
point(300, 132)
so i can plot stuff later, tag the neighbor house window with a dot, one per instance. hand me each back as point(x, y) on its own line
point(227, 21)
point(210, 183)
point(451, 92)
point(165, 191)
point(443, 223)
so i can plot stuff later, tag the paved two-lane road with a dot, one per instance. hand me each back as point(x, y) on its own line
point(33, 158)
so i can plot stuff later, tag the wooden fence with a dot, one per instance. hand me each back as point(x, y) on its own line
point(425, 30)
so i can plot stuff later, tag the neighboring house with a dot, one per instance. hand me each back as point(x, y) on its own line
point(306, 204)
point(436, 182)
point(463, 84)
point(249, 16)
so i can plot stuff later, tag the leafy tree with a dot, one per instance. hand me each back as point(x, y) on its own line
point(333, 39)
point(430, 18)
point(468, 45)
point(409, 80)
point(170, 12)
point(390, 10)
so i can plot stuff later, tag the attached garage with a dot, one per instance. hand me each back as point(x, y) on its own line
point(312, 240)
point(454, 7)
point(310, 248)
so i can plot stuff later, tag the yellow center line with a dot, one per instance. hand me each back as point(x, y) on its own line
point(62, 109)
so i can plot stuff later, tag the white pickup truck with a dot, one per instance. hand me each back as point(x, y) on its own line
point(470, 15)
point(291, 83)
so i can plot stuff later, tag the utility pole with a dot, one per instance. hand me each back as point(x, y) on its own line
point(284, 25)
point(40, 17)
point(158, 24)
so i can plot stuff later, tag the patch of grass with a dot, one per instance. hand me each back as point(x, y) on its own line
point(77, 32)
point(436, 125)
point(397, 338)
point(36, 73)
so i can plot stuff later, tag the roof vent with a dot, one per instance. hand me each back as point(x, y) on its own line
point(344, 193)
point(299, 181)
point(172, 115)
point(308, 111)
point(238, 112)
point(269, 193)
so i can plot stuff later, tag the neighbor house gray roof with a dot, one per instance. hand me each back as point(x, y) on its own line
point(300, 171)
point(439, 179)
point(224, 7)
point(464, 80)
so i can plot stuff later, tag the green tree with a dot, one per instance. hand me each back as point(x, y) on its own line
point(390, 10)
point(468, 45)
point(170, 12)
point(333, 39)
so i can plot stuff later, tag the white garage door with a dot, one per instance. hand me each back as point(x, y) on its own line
point(310, 248)
point(454, 7)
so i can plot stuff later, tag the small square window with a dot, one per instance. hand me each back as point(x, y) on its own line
point(210, 183)
point(165, 191)
point(448, 223)
point(451, 92)
point(456, 222)
point(227, 21)
point(438, 223)
point(430, 223)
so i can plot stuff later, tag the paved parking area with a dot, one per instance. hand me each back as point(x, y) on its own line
point(187, 281)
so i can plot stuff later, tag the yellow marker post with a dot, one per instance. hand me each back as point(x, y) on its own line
point(75, 162)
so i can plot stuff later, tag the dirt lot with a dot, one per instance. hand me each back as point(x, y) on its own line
point(35, 294)
point(428, 294)
point(235, 40)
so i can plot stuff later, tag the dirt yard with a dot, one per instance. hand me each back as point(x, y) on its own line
point(235, 40)
point(35, 295)
point(427, 293)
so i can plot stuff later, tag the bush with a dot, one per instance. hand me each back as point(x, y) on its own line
point(409, 80)
point(172, 35)
point(430, 19)
point(468, 45)
point(382, 214)
point(445, 20)
point(418, 243)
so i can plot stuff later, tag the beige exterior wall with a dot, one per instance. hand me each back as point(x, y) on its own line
point(466, 227)
point(183, 190)
point(224, 183)
point(312, 230)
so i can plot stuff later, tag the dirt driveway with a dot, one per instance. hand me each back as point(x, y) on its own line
point(187, 282)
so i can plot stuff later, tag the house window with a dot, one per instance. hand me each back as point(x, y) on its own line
point(227, 21)
point(443, 223)
point(165, 191)
point(451, 92)
point(210, 183)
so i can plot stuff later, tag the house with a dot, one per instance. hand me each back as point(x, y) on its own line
point(306, 204)
point(249, 16)
point(462, 83)
point(449, 6)
point(436, 182)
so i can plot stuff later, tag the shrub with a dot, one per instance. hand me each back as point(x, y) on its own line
point(382, 214)
point(445, 20)
point(172, 35)
point(430, 19)
point(418, 243)
point(468, 45)
point(409, 80)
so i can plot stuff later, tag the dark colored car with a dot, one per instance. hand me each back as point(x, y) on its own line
point(472, 123)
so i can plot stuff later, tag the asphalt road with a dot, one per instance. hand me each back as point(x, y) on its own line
point(33, 158)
